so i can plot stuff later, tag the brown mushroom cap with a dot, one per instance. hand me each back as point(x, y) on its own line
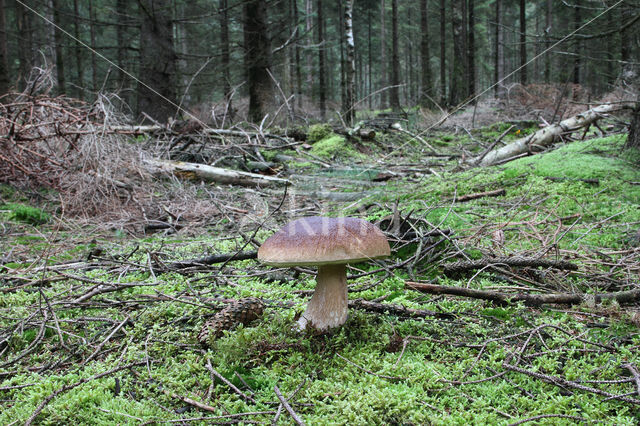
point(319, 240)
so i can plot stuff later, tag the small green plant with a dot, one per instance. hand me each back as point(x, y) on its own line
point(27, 214)
point(317, 132)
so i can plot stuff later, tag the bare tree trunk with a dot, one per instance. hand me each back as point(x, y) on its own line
point(309, 26)
point(547, 32)
point(78, 48)
point(25, 42)
point(58, 46)
point(471, 47)
point(426, 92)
point(394, 98)
point(225, 59)
point(257, 59)
point(523, 42)
point(370, 61)
point(458, 69)
point(443, 60)
point(348, 111)
point(577, 21)
point(322, 86)
point(298, 64)
point(157, 96)
point(383, 55)
point(4, 62)
point(498, 63)
point(94, 59)
point(633, 139)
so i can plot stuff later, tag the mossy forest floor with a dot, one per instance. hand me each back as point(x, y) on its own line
point(95, 328)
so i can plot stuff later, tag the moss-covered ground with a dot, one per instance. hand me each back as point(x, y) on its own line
point(62, 350)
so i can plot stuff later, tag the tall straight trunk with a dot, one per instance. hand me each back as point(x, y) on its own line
point(626, 35)
point(471, 46)
point(465, 48)
point(25, 42)
point(348, 107)
point(343, 65)
point(370, 61)
point(298, 64)
point(157, 96)
point(257, 51)
point(425, 56)
point(498, 59)
point(611, 42)
point(443, 61)
point(547, 32)
point(523, 42)
point(77, 48)
point(457, 82)
point(394, 98)
point(94, 59)
point(309, 26)
point(4, 61)
point(225, 60)
point(383, 56)
point(322, 85)
point(58, 46)
point(577, 21)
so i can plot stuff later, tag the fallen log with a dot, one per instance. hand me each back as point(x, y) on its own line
point(210, 173)
point(622, 297)
point(214, 258)
point(544, 137)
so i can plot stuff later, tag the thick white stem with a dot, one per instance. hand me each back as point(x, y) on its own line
point(328, 306)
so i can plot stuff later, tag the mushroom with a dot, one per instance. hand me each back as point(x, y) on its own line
point(329, 244)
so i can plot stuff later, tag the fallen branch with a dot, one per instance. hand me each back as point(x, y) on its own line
point(622, 297)
point(210, 260)
point(469, 197)
point(544, 137)
point(395, 309)
point(210, 173)
point(453, 269)
point(287, 407)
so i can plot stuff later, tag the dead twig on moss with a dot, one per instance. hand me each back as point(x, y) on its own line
point(288, 407)
point(622, 297)
point(454, 269)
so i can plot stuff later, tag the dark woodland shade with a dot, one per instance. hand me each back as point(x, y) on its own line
point(323, 241)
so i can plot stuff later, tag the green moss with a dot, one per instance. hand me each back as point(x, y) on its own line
point(26, 214)
point(317, 132)
point(334, 147)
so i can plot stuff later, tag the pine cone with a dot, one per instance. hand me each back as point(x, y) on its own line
point(242, 311)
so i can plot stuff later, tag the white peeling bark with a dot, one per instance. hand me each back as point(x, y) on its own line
point(328, 306)
point(544, 137)
point(350, 92)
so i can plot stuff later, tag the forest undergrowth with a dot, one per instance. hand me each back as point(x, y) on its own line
point(99, 318)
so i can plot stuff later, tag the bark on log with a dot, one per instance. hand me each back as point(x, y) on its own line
point(455, 268)
point(622, 297)
point(544, 137)
point(209, 173)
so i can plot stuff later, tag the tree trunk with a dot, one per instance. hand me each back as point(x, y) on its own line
point(94, 59)
point(443, 54)
point(633, 140)
point(383, 56)
point(543, 138)
point(349, 112)
point(25, 42)
point(577, 21)
point(4, 62)
point(523, 42)
point(498, 59)
point(225, 60)
point(322, 85)
point(547, 34)
point(298, 64)
point(58, 46)
point(257, 51)
point(458, 71)
point(471, 47)
point(309, 26)
point(157, 93)
point(77, 48)
point(394, 94)
point(426, 93)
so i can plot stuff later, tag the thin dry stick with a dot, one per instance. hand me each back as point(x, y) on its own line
point(227, 382)
point(548, 416)
point(636, 377)
point(287, 407)
point(191, 402)
point(104, 342)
